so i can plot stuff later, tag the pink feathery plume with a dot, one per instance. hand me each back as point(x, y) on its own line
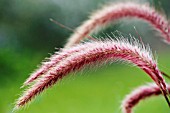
point(100, 51)
point(140, 94)
point(118, 11)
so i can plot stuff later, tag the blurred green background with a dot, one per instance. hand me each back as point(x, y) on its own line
point(27, 37)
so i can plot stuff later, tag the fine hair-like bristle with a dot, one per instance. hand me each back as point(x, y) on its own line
point(140, 94)
point(100, 51)
point(113, 12)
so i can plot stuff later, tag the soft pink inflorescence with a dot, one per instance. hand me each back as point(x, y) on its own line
point(98, 52)
point(140, 94)
point(118, 11)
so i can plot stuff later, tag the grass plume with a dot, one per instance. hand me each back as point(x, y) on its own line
point(98, 52)
point(140, 94)
point(118, 11)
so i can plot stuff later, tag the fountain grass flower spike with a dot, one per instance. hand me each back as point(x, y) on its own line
point(140, 94)
point(97, 52)
point(113, 12)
